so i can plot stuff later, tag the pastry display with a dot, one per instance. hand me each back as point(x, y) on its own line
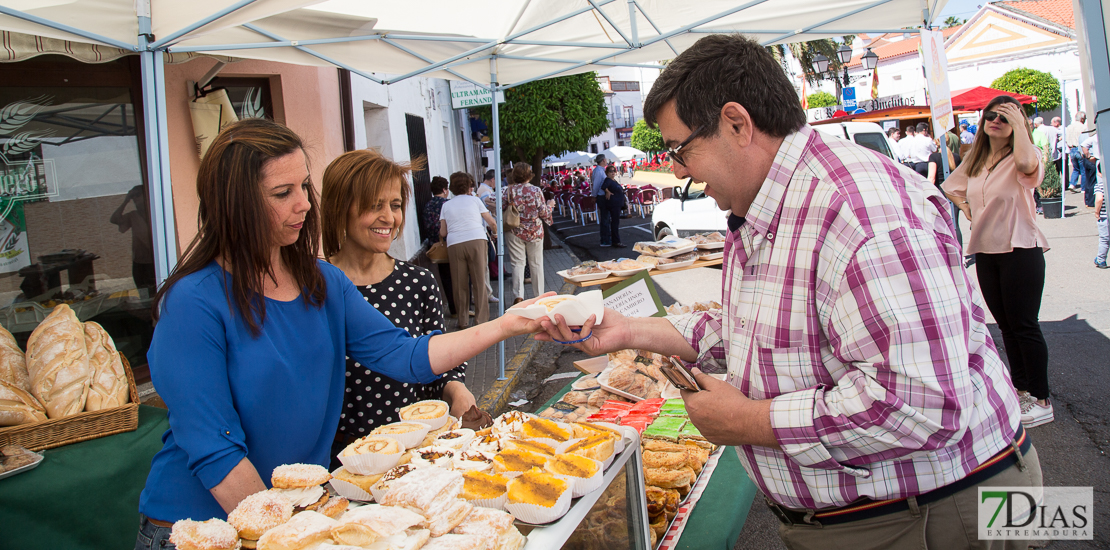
point(421, 489)
point(623, 266)
point(382, 486)
point(445, 517)
point(677, 309)
point(108, 381)
point(213, 534)
point(360, 481)
point(15, 457)
point(494, 527)
point(707, 238)
point(531, 446)
point(586, 383)
point(432, 412)
point(510, 422)
point(302, 484)
point(305, 530)
point(259, 513)
point(490, 443)
point(373, 454)
point(664, 248)
point(538, 497)
point(335, 507)
point(388, 526)
point(575, 309)
point(452, 424)
point(408, 434)
point(58, 363)
point(13, 362)
point(598, 447)
point(455, 542)
point(634, 382)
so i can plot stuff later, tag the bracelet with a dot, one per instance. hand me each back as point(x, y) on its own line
point(964, 202)
point(571, 342)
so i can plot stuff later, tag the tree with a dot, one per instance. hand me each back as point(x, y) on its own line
point(953, 21)
point(549, 117)
point(821, 99)
point(645, 138)
point(1030, 82)
point(804, 52)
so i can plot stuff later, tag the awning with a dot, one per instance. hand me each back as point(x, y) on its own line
point(974, 99)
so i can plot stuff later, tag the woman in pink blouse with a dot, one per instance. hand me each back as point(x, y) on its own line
point(526, 240)
point(994, 189)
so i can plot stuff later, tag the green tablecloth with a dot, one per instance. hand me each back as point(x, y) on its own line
point(720, 514)
point(84, 495)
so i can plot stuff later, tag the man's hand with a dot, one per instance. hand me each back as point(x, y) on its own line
point(612, 335)
point(725, 416)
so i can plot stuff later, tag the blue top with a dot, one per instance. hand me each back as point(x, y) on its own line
point(274, 399)
point(618, 199)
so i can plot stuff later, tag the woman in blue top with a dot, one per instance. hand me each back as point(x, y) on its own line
point(253, 333)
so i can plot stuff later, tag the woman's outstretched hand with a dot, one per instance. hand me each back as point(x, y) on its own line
point(514, 325)
point(611, 335)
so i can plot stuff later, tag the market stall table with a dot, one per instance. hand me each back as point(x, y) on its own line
point(612, 280)
point(719, 515)
point(84, 495)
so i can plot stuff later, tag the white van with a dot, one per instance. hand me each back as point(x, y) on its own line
point(689, 211)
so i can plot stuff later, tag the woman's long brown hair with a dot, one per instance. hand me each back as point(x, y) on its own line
point(234, 221)
point(980, 152)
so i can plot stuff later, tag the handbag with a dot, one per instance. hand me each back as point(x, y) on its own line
point(437, 253)
point(511, 219)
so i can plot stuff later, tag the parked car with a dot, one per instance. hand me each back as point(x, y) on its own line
point(690, 211)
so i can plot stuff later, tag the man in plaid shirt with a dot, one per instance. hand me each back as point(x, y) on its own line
point(863, 391)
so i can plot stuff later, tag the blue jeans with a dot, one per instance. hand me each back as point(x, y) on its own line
point(152, 537)
point(1103, 238)
point(603, 220)
point(1076, 167)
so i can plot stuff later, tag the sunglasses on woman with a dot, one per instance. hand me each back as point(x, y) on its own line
point(991, 115)
point(673, 152)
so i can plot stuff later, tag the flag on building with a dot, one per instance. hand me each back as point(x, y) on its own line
point(875, 83)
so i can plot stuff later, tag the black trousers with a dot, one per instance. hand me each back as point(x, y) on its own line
point(1012, 284)
point(615, 209)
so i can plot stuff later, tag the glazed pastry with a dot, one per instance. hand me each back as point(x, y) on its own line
point(531, 446)
point(494, 527)
point(213, 534)
point(539, 488)
point(433, 456)
point(398, 428)
point(544, 428)
point(365, 525)
point(573, 466)
point(481, 485)
point(598, 447)
point(395, 473)
point(423, 489)
point(362, 482)
point(424, 411)
point(669, 478)
point(301, 484)
point(456, 542)
point(654, 459)
point(446, 515)
point(516, 460)
point(259, 513)
point(306, 529)
point(586, 429)
point(334, 507)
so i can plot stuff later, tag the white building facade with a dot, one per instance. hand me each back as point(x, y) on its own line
point(625, 90)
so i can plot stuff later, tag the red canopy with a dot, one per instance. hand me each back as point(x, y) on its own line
point(974, 99)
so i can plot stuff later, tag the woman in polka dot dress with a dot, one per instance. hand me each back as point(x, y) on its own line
point(363, 203)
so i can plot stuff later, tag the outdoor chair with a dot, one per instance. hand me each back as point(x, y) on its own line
point(587, 207)
point(647, 200)
point(635, 200)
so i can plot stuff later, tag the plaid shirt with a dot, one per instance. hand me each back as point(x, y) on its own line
point(847, 304)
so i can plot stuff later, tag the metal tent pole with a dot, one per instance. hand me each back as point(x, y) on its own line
point(500, 226)
point(157, 150)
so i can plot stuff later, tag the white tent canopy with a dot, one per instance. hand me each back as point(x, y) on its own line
point(499, 44)
point(577, 158)
point(621, 153)
point(530, 40)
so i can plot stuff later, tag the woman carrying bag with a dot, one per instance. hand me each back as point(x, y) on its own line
point(525, 212)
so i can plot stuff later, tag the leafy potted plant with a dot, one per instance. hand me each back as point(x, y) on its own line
point(1051, 200)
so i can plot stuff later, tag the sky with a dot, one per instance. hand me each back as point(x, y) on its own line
point(963, 9)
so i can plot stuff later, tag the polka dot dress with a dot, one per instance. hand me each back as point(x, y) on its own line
point(409, 298)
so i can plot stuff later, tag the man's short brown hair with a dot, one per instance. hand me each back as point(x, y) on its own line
point(723, 68)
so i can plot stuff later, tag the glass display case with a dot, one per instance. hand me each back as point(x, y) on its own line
point(613, 517)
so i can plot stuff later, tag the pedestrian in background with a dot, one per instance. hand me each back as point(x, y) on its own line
point(994, 189)
point(966, 137)
point(920, 148)
point(597, 177)
point(525, 241)
point(614, 196)
point(1072, 137)
point(1101, 221)
point(1089, 149)
point(461, 224)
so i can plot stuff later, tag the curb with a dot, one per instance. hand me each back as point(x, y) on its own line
point(496, 399)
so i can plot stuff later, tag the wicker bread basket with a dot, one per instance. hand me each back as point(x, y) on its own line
point(78, 427)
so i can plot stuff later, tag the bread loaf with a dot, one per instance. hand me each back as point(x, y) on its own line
point(108, 382)
point(58, 363)
point(13, 364)
point(18, 407)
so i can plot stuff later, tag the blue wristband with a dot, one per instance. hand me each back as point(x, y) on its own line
point(579, 341)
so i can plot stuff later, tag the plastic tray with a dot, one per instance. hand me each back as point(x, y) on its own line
point(676, 265)
point(711, 246)
point(713, 256)
point(21, 469)
point(603, 381)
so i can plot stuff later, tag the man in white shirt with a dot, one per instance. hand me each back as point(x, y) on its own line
point(920, 148)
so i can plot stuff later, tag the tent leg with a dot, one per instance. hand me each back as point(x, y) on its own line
point(500, 226)
point(158, 162)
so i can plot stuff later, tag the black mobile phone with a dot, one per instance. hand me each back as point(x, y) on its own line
point(677, 374)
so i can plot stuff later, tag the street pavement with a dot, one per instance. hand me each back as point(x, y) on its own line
point(1075, 319)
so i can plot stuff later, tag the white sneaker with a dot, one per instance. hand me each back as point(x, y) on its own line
point(1037, 415)
point(1026, 400)
point(493, 299)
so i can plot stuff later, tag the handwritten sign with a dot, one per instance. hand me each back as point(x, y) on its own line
point(635, 297)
